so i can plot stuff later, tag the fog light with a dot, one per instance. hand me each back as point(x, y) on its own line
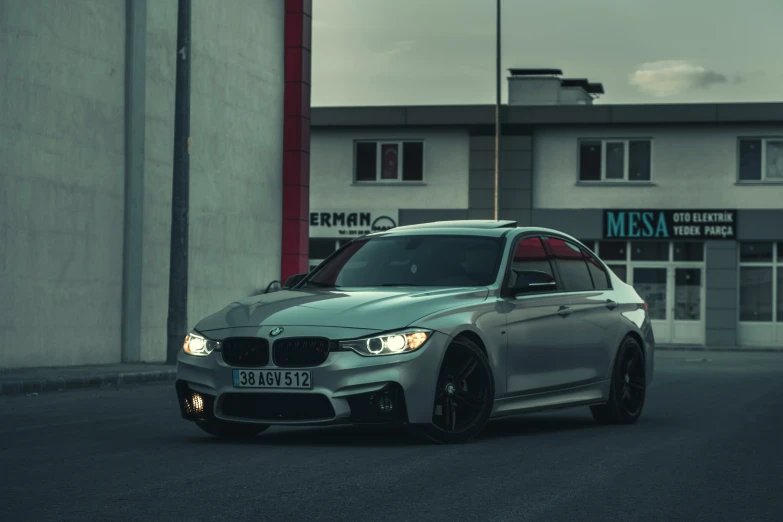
point(385, 404)
point(195, 405)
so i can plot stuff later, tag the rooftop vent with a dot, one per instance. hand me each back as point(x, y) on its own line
point(547, 87)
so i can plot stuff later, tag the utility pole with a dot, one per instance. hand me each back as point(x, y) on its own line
point(180, 193)
point(497, 107)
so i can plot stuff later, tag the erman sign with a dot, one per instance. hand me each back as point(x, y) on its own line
point(350, 223)
point(670, 224)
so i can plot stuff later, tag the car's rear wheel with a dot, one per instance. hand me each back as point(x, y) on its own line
point(627, 391)
point(464, 395)
point(231, 430)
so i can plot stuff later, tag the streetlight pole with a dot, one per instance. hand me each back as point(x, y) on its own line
point(497, 107)
point(180, 194)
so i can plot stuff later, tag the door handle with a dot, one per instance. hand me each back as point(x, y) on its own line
point(564, 311)
point(611, 305)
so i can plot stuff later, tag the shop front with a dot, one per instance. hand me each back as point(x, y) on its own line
point(663, 254)
point(332, 228)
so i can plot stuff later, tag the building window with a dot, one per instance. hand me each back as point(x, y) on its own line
point(760, 159)
point(615, 160)
point(761, 268)
point(389, 161)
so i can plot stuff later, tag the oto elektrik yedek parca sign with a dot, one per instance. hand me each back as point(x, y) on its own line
point(670, 224)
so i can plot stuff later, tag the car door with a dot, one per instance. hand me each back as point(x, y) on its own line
point(537, 321)
point(589, 291)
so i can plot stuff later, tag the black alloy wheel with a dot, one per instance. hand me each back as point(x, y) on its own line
point(231, 430)
point(464, 395)
point(628, 387)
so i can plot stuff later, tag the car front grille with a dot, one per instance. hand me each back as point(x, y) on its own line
point(246, 351)
point(300, 352)
point(277, 406)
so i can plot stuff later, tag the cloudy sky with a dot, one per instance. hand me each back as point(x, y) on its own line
point(418, 52)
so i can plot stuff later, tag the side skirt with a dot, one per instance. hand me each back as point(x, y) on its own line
point(594, 393)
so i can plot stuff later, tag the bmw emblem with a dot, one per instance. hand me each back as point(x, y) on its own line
point(276, 331)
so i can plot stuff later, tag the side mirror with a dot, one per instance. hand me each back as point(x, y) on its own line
point(293, 280)
point(532, 281)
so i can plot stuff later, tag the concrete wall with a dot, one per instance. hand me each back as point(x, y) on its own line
point(692, 166)
point(61, 181)
point(514, 178)
point(445, 170)
point(236, 157)
point(63, 164)
point(722, 294)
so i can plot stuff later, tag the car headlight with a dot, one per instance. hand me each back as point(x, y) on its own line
point(199, 345)
point(389, 344)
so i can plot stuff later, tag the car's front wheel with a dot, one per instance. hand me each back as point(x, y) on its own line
point(464, 395)
point(231, 430)
point(628, 387)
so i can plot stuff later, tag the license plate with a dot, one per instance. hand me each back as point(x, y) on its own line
point(296, 379)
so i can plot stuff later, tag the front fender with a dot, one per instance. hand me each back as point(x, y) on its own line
point(484, 322)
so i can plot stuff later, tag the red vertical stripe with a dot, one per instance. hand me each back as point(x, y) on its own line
point(296, 137)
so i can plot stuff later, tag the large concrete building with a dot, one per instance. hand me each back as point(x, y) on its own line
point(684, 201)
point(86, 148)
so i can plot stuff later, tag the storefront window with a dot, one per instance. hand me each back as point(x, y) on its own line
point(687, 294)
point(321, 248)
point(649, 251)
point(650, 284)
point(760, 282)
point(755, 294)
point(756, 252)
point(613, 250)
point(780, 287)
point(689, 251)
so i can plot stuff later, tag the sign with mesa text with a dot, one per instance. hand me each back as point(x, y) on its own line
point(670, 224)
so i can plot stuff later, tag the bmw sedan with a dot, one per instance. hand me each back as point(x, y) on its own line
point(439, 327)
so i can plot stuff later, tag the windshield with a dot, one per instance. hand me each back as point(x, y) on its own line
point(430, 260)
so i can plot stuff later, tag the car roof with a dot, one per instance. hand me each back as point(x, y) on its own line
point(468, 227)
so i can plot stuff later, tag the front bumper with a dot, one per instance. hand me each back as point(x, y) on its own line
point(346, 388)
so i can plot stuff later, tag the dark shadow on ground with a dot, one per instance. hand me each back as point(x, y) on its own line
point(516, 426)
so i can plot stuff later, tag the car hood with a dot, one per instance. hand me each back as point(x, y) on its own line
point(372, 308)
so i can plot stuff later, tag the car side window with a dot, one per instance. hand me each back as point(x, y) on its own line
point(597, 272)
point(531, 258)
point(571, 264)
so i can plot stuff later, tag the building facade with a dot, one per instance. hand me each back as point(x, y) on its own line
point(685, 201)
point(86, 141)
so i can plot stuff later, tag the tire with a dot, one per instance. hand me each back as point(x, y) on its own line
point(628, 388)
point(231, 430)
point(474, 394)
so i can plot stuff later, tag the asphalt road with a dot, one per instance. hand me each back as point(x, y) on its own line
point(708, 447)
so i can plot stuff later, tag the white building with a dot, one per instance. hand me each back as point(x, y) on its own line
point(86, 141)
point(708, 178)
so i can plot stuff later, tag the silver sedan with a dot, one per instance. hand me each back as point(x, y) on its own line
point(439, 327)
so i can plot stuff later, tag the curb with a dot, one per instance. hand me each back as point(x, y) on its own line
point(82, 382)
point(734, 349)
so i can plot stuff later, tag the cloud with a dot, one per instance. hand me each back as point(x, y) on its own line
point(668, 77)
point(400, 47)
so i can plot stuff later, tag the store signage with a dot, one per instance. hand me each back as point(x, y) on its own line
point(670, 224)
point(348, 223)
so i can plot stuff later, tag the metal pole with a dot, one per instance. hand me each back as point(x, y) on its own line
point(180, 195)
point(497, 107)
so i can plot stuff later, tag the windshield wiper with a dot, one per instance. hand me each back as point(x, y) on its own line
point(399, 284)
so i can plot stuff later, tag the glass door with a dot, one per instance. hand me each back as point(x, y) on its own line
point(675, 298)
point(687, 306)
point(652, 284)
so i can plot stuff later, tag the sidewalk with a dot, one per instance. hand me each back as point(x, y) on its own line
point(36, 380)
